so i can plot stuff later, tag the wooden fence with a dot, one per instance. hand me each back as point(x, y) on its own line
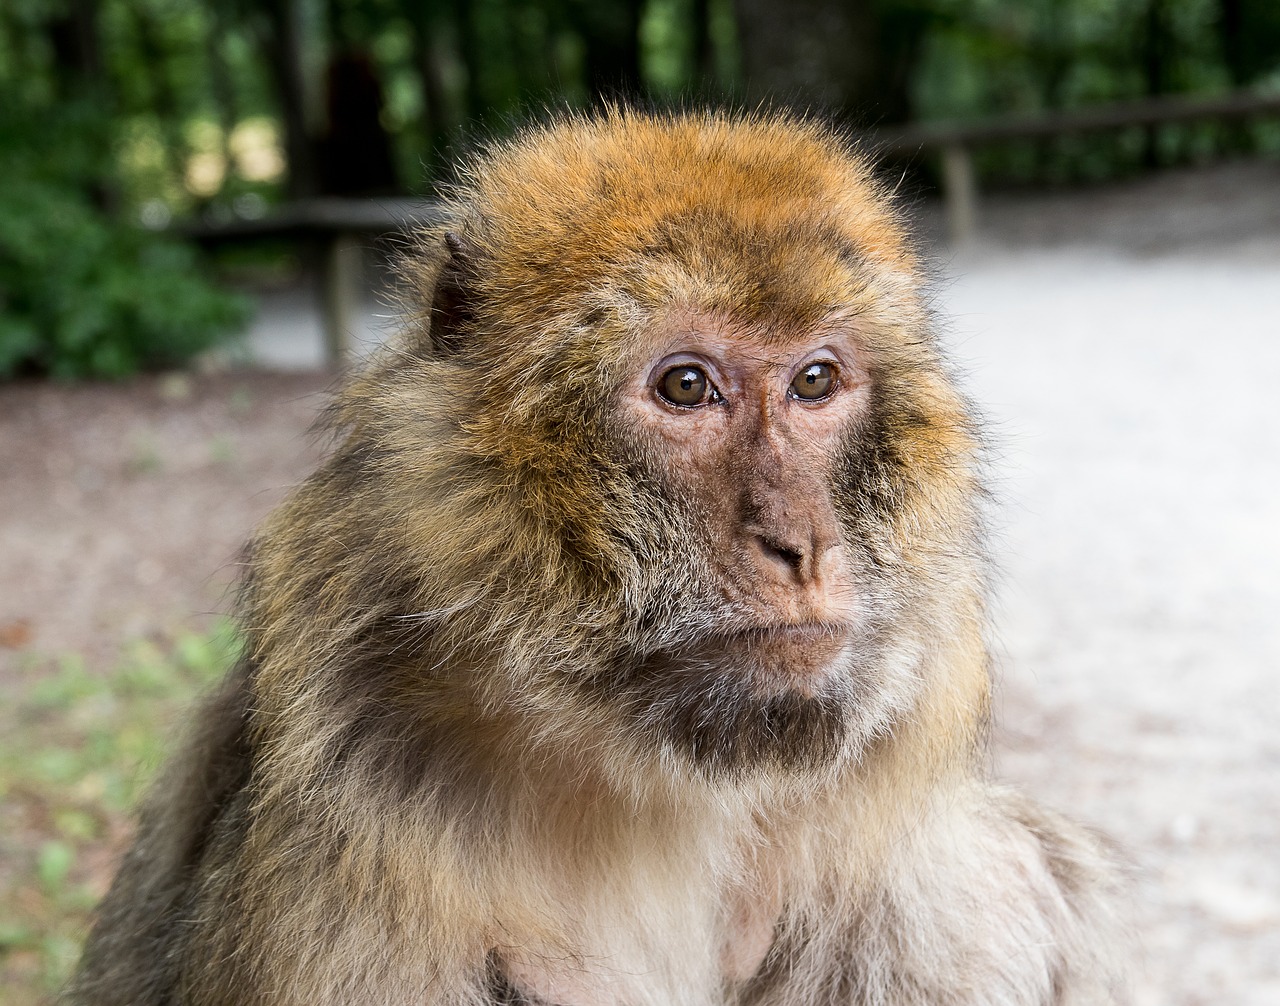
point(955, 142)
point(338, 228)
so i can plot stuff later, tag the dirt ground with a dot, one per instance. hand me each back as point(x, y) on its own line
point(1124, 343)
point(123, 507)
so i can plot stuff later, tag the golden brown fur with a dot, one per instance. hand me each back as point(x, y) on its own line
point(490, 743)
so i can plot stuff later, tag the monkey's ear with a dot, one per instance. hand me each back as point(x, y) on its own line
point(452, 302)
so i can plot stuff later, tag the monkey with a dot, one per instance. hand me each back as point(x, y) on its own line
point(630, 648)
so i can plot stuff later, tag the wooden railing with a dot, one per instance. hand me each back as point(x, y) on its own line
point(336, 231)
point(955, 142)
point(337, 228)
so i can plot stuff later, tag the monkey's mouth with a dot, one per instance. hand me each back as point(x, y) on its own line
point(795, 657)
point(797, 633)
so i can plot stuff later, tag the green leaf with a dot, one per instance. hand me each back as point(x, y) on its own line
point(53, 863)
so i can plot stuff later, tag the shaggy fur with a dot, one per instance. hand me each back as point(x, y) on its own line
point(488, 745)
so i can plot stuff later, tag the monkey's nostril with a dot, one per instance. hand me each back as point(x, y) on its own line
point(792, 557)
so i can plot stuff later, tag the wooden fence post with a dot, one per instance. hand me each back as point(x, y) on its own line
point(960, 192)
point(341, 276)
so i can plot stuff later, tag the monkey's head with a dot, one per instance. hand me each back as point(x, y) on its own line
point(667, 460)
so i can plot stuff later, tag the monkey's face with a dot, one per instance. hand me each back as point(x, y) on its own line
point(743, 432)
point(744, 429)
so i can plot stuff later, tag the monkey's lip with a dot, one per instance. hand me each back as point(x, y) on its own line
point(796, 634)
point(789, 657)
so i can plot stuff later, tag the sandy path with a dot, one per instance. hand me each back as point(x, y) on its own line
point(1134, 405)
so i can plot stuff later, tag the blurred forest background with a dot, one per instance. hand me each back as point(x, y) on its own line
point(124, 118)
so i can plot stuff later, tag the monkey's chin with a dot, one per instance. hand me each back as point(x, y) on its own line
point(780, 697)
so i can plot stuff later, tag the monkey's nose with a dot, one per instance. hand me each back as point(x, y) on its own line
point(795, 556)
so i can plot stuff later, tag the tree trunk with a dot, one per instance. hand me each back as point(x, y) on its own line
point(439, 116)
point(809, 54)
point(284, 54)
point(77, 48)
point(612, 35)
point(1156, 47)
point(81, 77)
point(1230, 31)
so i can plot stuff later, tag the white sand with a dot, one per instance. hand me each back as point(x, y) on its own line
point(1135, 404)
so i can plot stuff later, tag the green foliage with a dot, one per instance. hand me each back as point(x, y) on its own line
point(83, 291)
point(82, 294)
point(665, 45)
point(166, 108)
point(993, 57)
point(76, 750)
point(987, 57)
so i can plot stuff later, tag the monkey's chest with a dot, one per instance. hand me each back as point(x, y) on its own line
point(653, 954)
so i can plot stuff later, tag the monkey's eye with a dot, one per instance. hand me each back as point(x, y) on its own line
point(814, 382)
point(687, 386)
